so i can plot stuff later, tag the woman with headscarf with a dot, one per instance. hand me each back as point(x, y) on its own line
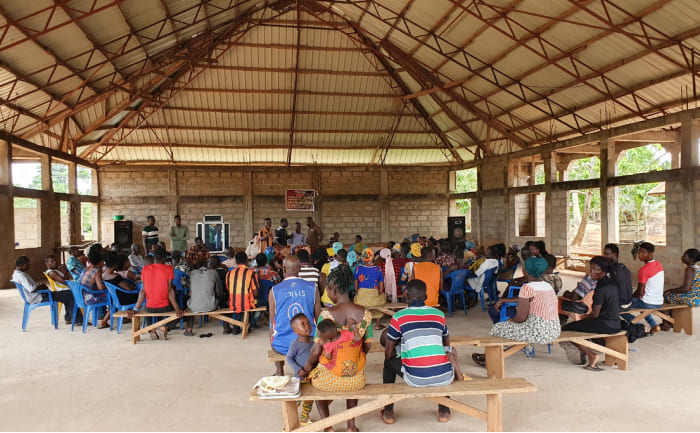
point(369, 282)
point(391, 274)
point(336, 258)
point(536, 319)
point(605, 314)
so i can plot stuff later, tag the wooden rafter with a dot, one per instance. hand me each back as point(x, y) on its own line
point(101, 49)
point(212, 47)
point(200, 127)
point(485, 71)
point(294, 97)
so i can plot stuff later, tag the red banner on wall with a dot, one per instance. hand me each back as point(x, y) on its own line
point(300, 199)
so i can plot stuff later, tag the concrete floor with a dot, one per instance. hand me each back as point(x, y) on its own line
point(99, 381)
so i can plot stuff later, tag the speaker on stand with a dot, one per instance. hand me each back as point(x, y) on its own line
point(123, 236)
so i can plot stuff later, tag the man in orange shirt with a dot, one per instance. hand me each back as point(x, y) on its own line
point(243, 286)
point(158, 290)
point(267, 235)
point(430, 274)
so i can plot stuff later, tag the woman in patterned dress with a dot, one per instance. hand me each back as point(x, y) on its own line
point(536, 319)
point(689, 292)
point(369, 282)
point(347, 373)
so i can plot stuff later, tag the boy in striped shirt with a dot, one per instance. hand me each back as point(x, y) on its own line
point(426, 357)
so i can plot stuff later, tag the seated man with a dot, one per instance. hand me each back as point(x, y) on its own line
point(230, 261)
point(430, 273)
point(29, 286)
point(197, 253)
point(650, 288)
point(426, 356)
point(290, 297)
point(206, 291)
point(158, 290)
point(243, 286)
point(490, 262)
point(59, 274)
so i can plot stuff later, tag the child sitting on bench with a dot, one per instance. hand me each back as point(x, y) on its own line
point(298, 354)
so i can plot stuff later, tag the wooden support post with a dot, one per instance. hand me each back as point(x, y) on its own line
point(494, 412)
point(385, 209)
point(495, 362)
point(550, 176)
point(290, 415)
point(248, 205)
point(135, 326)
point(618, 343)
point(683, 320)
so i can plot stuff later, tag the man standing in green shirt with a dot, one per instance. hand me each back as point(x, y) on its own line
point(179, 235)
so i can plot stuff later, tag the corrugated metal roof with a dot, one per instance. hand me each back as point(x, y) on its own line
point(525, 64)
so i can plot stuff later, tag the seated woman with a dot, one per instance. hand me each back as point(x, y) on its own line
point(550, 276)
point(136, 258)
point(689, 292)
point(264, 271)
point(369, 282)
point(125, 270)
point(110, 274)
point(392, 273)
point(346, 372)
point(536, 319)
point(92, 279)
point(490, 262)
point(605, 314)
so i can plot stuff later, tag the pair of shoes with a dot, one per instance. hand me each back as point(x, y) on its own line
point(188, 333)
point(236, 331)
point(227, 330)
point(529, 351)
point(655, 329)
point(207, 335)
point(444, 416)
point(592, 368)
point(479, 359)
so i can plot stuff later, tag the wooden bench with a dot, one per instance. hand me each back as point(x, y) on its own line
point(275, 356)
point(681, 316)
point(615, 349)
point(383, 394)
point(171, 316)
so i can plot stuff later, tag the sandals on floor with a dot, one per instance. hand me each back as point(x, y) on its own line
point(188, 333)
point(384, 420)
point(479, 359)
point(592, 368)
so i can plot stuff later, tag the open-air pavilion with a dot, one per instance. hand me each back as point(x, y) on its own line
point(217, 107)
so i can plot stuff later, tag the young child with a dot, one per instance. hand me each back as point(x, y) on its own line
point(298, 354)
point(331, 339)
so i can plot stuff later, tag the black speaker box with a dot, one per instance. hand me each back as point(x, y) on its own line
point(455, 228)
point(123, 234)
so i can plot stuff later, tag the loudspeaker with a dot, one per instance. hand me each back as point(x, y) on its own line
point(455, 228)
point(122, 234)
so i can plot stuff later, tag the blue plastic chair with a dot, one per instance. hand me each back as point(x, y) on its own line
point(78, 291)
point(457, 280)
point(504, 307)
point(489, 286)
point(512, 270)
point(116, 306)
point(29, 307)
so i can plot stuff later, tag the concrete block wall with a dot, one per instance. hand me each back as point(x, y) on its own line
point(495, 226)
point(557, 220)
point(428, 218)
point(350, 200)
point(350, 217)
point(28, 227)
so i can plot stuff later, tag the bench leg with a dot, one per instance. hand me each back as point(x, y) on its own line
point(290, 415)
point(495, 362)
point(244, 329)
point(618, 343)
point(683, 320)
point(135, 326)
point(494, 412)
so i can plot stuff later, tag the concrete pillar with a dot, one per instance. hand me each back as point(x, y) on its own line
point(7, 234)
point(50, 214)
point(509, 232)
point(385, 209)
point(689, 159)
point(476, 207)
point(550, 176)
point(317, 186)
point(609, 218)
point(248, 223)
